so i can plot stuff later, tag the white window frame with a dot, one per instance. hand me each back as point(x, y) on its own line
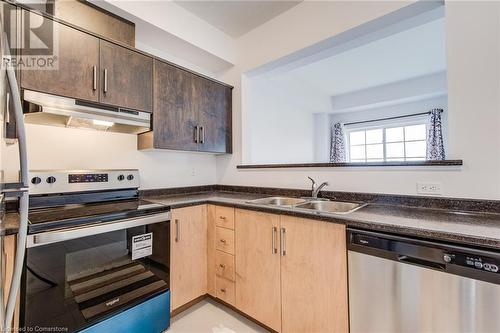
point(384, 124)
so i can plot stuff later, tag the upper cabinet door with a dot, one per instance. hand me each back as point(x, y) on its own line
point(212, 101)
point(174, 117)
point(313, 276)
point(126, 78)
point(77, 57)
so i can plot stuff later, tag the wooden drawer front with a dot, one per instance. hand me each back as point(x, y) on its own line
point(224, 265)
point(225, 290)
point(224, 240)
point(224, 217)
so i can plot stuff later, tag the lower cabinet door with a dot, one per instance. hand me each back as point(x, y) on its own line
point(258, 267)
point(188, 256)
point(313, 276)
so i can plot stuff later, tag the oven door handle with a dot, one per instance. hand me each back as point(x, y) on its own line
point(50, 237)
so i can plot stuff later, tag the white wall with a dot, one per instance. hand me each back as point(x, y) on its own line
point(473, 43)
point(51, 147)
point(282, 128)
point(400, 92)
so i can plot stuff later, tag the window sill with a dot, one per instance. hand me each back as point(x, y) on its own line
point(352, 164)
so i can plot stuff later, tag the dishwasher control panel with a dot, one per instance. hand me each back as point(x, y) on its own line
point(476, 262)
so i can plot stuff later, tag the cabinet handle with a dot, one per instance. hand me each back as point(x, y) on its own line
point(105, 80)
point(223, 290)
point(222, 217)
point(94, 78)
point(196, 134)
point(222, 266)
point(283, 241)
point(274, 249)
point(223, 241)
point(177, 231)
point(202, 132)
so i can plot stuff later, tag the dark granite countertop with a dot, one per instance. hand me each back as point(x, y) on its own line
point(473, 228)
point(479, 229)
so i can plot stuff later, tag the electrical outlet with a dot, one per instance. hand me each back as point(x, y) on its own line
point(193, 172)
point(429, 188)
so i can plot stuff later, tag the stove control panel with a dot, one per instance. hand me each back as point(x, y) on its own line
point(55, 181)
point(87, 177)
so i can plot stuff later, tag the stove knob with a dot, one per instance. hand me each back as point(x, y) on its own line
point(51, 180)
point(447, 258)
point(121, 177)
point(130, 177)
point(36, 180)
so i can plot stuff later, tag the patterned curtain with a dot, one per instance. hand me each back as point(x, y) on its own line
point(337, 146)
point(435, 145)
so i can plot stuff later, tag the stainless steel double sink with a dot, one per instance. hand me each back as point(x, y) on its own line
point(310, 204)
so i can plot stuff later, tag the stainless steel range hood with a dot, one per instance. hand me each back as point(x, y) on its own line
point(45, 109)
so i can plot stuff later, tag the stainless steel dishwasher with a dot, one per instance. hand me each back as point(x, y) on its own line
point(400, 284)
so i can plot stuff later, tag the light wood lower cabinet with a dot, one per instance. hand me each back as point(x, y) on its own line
point(188, 256)
point(288, 273)
point(313, 277)
point(258, 267)
point(8, 253)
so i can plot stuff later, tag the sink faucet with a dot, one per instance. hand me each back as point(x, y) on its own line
point(316, 189)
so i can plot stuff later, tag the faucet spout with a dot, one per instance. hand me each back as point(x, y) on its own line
point(318, 189)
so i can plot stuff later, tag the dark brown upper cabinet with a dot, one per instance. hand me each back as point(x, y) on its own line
point(174, 118)
point(75, 74)
point(212, 103)
point(126, 77)
point(191, 113)
point(90, 69)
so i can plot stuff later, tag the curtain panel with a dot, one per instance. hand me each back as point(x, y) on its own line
point(435, 143)
point(337, 145)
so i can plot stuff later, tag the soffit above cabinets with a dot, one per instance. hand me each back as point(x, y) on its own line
point(235, 18)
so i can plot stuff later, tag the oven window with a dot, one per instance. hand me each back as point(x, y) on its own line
point(75, 283)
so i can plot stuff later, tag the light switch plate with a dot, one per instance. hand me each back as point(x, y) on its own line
point(429, 188)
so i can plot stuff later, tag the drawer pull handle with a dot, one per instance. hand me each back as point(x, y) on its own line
point(223, 290)
point(177, 231)
point(222, 266)
point(222, 217)
point(223, 241)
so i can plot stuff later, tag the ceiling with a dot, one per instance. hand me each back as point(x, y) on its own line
point(412, 53)
point(237, 17)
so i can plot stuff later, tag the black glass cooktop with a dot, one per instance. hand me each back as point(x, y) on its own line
point(43, 219)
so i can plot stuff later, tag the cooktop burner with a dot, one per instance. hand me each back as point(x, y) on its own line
point(43, 219)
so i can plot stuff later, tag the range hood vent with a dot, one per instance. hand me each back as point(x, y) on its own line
point(45, 109)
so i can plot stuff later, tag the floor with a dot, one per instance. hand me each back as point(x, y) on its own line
point(211, 317)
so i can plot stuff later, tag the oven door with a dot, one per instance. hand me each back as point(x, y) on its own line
point(74, 278)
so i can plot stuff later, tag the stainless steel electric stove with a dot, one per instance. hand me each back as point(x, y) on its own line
point(97, 255)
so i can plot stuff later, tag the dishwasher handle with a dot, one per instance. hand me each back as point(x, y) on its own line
point(398, 248)
point(421, 262)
